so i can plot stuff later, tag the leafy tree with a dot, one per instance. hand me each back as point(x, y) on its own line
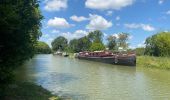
point(83, 44)
point(73, 45)
point(60, 43)
point(97, 47)
point(20, 29)
point(112, 42)
point(95, 36)
point(42, 48)
point(122, 40)
point(158, 44)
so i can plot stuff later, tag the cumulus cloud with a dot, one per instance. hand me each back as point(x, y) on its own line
point(108, 4)
point(78, 19)
point(98, 23)
point(145, 27)
point(58, 23)
point(75, 35)
point(55, 5)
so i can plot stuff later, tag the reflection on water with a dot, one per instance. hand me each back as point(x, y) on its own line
point(86, 80)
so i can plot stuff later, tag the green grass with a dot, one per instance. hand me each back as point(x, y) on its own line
point(153, 62)
point(27, 91)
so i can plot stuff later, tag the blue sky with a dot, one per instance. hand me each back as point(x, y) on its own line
point(75, 18)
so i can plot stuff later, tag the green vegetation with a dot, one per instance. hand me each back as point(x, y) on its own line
point(153, 62)
point(158, 44)
point(27, 91)
point(156, 53)
point(140, 51)
point(60, 43)
point(20, 30)
point(42, 48)
point(120, 41)
point(92, 42)
point(97, 47)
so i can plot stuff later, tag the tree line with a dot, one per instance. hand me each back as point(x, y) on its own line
point(92, 42)
point(156, 45)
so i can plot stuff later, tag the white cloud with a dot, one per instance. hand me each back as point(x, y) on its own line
point(160, 2)
point(78, 19)
point(58, 23)
point(75, 35)
point(145, 27)
point(98, 23)
point(168, 12)
point(108, 4)
point(55, 5)
point(109, 13)
point(118, 18)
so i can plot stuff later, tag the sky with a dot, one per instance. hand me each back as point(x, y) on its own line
point(75, 18)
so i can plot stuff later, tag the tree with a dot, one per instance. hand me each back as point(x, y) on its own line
point(42, 48)
point(112, 42)
point(95, 36)
point(20, 30)
point(158, 44)
point(83, 44)
point(73, 45)
point(60, 43)
point(122, 40)
point(97, 47)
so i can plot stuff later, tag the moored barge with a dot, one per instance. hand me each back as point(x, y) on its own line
point(117, 58)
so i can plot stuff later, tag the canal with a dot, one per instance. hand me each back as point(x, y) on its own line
point(86, 80)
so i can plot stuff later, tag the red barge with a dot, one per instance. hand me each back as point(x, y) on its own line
point(117, 58)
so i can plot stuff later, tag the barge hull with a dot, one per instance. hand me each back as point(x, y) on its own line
point(130, 61)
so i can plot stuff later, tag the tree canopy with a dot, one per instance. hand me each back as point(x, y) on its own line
point(60, 43)
point(20, 30)
point(42, 48)
point(158, 44)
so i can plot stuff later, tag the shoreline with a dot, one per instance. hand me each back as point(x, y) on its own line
point(28, 91)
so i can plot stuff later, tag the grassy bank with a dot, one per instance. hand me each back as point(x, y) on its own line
point(27, 91)
point(153, 62)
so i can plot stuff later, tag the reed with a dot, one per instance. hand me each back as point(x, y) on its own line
point(153, 62)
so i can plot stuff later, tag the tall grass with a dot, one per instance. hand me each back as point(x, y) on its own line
point(153, 62)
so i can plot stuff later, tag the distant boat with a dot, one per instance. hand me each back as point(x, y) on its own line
point(58, 53)
point(109, 57)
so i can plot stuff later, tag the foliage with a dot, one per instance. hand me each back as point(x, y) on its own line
point(140, 51)
point(42, 48)
point(95, 36)
point(97, 47)
point(112, 42)
point(122, 40)
point(153, 62)
point(60, 43)
point(116, 42)
point(158, 44)
point(20, 29)
point(84, 44)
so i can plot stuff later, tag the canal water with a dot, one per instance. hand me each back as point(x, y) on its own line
point(87, 80)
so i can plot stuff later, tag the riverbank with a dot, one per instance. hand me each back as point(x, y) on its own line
point(153, 62)
point(28, 91)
